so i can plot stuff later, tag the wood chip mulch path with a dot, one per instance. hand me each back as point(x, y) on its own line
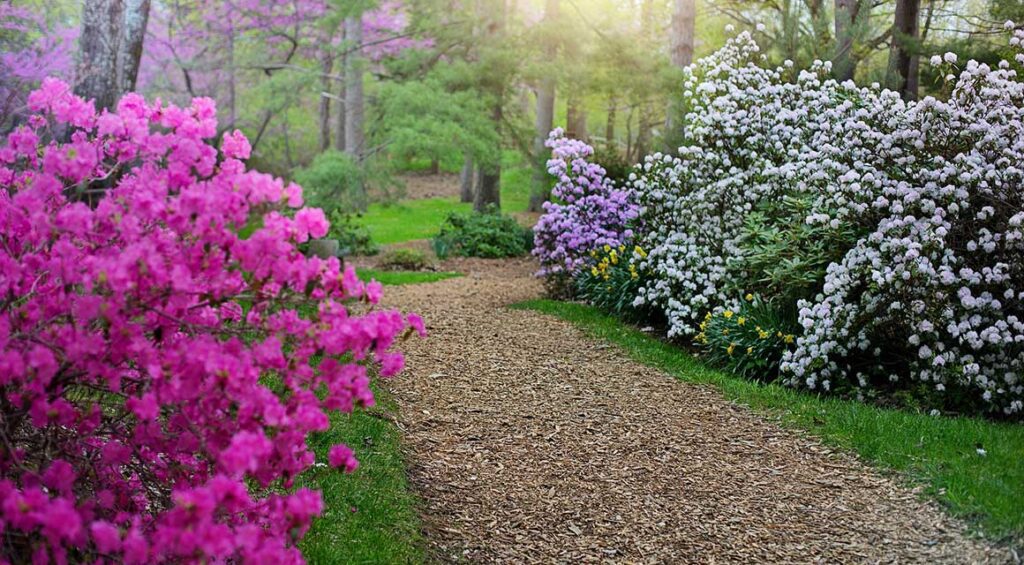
point(530, 443)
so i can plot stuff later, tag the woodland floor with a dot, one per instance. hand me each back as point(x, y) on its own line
point(528, 442)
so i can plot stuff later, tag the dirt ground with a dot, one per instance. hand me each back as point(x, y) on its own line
point(530, 443)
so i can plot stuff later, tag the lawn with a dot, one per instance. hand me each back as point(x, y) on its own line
point(395, 278)
point(409, 220)
point(370, 515)
point(972, 465)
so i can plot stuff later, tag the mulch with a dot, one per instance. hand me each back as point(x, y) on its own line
point(528, 442)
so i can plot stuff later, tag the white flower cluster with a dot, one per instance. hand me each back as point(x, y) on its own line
point(932, 289)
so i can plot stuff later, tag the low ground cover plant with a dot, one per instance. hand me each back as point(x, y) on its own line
point(888, 233)
point(489, 234)
point(165, 348)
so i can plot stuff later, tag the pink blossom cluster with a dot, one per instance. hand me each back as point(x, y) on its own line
point(587, 211)
point(165, 348)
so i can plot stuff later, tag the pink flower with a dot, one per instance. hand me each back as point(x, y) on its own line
point(236, 146)
point(342, 457)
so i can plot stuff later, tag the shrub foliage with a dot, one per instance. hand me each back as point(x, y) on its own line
point(158, 378)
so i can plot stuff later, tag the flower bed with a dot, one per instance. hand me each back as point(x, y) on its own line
point(165, 349)
point(892, 230)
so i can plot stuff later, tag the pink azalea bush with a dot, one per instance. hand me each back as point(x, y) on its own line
point(587, 211)
point(165, 349)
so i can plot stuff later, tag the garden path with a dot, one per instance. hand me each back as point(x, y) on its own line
point(529, 442)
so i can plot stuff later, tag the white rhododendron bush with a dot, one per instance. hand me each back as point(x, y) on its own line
point(893, 229)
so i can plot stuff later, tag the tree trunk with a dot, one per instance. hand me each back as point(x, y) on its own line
point(339, 111)
point(545, 115)
point(488, 188)
point(902, 75)
point(136, 18)
point(326, 66)
point(575, 119)
point(99, 45)
point(466, 180)
point(843, 65)
point(684, 17)
point(354, 134)
point(609, 124)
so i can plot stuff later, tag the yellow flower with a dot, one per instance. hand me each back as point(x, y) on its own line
point(640, 251)
point(732, 347)
point(727, 313)
point(707, 316)
point(750, 350)
point(741, 320)
point(788, 338)
point(633, 275)
point(593, 271)
point(779, 334)
point(607, 248)
point(762, 334)
point(725, 332)
point(749, 297)
point(703, 326)
point(701, 338)
point(622, 249)
point(593, 253)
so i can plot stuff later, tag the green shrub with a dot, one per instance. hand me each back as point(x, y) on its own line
point(353, 239)
point(489, 234)
point(750, 340)
point(333, 181)
point(613, 281)
point(615, 165)
point(404, 259)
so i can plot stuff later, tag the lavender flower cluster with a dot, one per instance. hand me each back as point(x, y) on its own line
point(932, 289)
point(587, 211)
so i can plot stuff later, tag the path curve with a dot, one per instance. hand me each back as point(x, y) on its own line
point(529, 442)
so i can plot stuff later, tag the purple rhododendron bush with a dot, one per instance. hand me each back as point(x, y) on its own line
point(158, 378)
point(588, 212)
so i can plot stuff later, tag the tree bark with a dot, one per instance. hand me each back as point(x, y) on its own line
point(545, 115)
point(136, 18)
point(326, 66)
point(902, 73)
point(575, 119)
point(488, 188)
point(684, 17)
point(609, 124)
point(466, 180)
point(339, 111)
point(354, 101)
point(846, 18)
point(99, 45)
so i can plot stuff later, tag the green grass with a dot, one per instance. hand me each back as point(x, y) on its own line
point(369, 516)
point(939, 453)
point(395, 278)
point(409, 220)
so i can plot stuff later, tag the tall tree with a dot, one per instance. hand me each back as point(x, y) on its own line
point(488, 186)
point(684, 18)
point(545, 113)
point(850, 16)
point(136, 19)
point(467, 177)
point(354, 98)
point(99, 46)
point(902, 73)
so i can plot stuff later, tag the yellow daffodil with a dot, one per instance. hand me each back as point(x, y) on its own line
point(788, 339)
point(593, 271)
point(741, 320)
point(750, 350)
point(727, 313)
point(749, 297)
point(607, 248)
point(731, 348)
